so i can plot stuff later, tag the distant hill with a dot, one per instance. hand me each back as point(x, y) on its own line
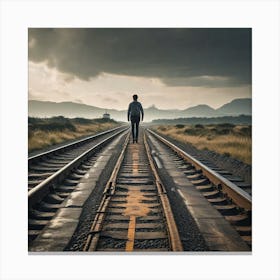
point(199, 111)
point(236, 107)
point(67, 109)
point(72, 110)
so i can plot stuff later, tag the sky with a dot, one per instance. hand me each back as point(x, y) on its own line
point(171, 68)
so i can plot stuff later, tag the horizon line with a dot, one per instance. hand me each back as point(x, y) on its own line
point(152, 106)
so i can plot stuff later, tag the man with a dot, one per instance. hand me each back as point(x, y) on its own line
point(133, 114)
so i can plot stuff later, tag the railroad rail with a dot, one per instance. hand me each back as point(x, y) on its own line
point(43, 165)
point(134, 214)
point(47, 196)
point(228, 198)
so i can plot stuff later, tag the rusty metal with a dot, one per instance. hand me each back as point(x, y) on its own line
point(136, 205)
point(37, 193)
point(93, 237)
point(174, 237)
point(238, 196)
point(71, 145)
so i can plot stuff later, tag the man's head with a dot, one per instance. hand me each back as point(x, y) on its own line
point(135, 97)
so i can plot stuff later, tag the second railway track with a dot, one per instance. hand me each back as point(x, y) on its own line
point(43, 165)
point(57, 172)
point(233, 202)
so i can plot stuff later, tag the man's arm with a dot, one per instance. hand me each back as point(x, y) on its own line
point(128, 112)
point(142, 111)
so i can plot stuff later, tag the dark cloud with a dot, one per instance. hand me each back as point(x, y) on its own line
point(204, 81)
point(177, 56)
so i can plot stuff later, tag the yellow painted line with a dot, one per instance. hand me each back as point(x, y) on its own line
point(134, 205)
point(135, 161)
point(130, 234)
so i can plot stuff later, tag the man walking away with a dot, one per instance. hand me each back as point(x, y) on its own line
point(133, 114)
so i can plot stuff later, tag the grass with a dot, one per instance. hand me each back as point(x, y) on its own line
point(43, 133)
point(226, 139)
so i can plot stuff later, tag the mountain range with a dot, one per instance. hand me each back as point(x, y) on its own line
point(70, 110)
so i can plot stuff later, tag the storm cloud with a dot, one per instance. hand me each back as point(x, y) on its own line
point(207, 57)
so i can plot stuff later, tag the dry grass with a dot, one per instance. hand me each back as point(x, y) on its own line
point(41, 138)
point(231, 141)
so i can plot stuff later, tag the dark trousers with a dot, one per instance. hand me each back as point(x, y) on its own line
point(135, 126)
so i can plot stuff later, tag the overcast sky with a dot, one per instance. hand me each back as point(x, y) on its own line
point(171, 68)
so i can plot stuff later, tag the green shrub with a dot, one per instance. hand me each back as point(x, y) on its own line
point(101, 120)
point(226, 154)
point(192, 131)
point(82, 121)
point(50, 124)
point(162, 128)
point(53, 140)
point(179, 125)
point(32, 120)
point(57, 127)
point(224, 131)
point(246, 131)
point(225, 125)
point(58, 119)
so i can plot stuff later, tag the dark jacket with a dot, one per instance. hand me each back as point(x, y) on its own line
point(134, 110)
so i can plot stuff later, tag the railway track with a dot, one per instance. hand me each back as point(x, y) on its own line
point(133, 211)
point(134, 214)
point(54, 175)
point(43, 165)
point(233, 201)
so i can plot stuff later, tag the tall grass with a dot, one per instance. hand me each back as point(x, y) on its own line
point(43, 133)
point(233, 141)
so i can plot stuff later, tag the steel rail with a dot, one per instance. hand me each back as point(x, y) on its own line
point(70, 145)
point(173, 234)
point(36, 194)
point(238, 196)
point(94, 234)
point(96, 228)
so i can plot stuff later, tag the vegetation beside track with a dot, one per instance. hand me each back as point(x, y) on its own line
point(227, 139)
point(45, 132)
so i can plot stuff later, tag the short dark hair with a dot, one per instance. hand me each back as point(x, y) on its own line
point(135, 97)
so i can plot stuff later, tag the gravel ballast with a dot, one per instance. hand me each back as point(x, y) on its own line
point(236, 167)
